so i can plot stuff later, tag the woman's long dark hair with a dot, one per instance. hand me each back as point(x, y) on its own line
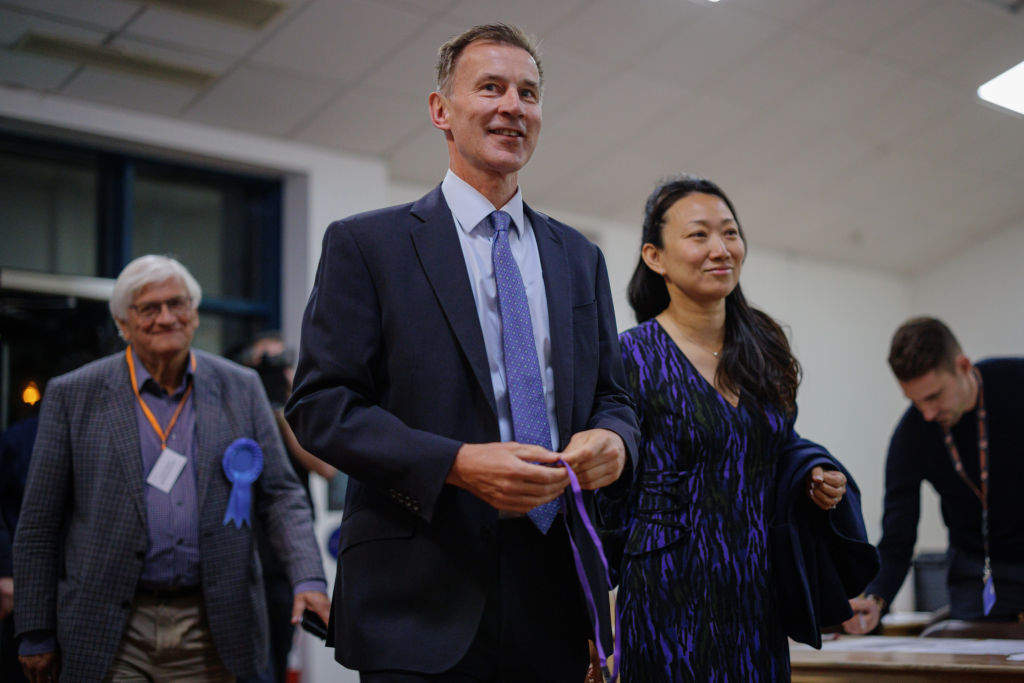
point(756, 356)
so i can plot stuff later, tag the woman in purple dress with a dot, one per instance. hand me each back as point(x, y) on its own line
point(714, 383)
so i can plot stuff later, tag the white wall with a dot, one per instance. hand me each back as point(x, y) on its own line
point(978, 294)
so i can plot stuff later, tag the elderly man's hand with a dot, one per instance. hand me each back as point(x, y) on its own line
point(312, 600)
point(597, 456)
point(42, 668)
point(6, 596)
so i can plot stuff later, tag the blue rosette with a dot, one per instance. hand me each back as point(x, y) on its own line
point(242, 463)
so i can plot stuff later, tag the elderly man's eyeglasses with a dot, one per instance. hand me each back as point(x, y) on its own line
point(177, 306)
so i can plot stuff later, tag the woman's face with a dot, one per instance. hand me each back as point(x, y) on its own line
point(702, 251)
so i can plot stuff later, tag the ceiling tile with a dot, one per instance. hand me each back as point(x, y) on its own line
point(856, 85)
point(943, 29)
point(786, 64)
point(131, 92)
point(863, 23)
point(705, 45)
point(33, 72)
point(259, 100)
point(427, 8)
point(787, 11)
point(980, 139)
point(175, 55)
point(908, 107)
point(612, 33)
point(13, 25)
point(191, 31)
point(536, 17)
point(410, 68)
point(366, 120)
point(108, 14)
point(339, 40)
point(992, 144)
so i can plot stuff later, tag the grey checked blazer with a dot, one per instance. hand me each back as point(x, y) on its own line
point(82, 536)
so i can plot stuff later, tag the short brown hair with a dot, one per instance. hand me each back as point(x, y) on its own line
point(506, 34)
point(921, 345)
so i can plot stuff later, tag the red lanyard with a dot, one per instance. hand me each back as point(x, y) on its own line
point(954, 454)
point(163, 434)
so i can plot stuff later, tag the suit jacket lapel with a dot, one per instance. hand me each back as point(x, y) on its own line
point(210, 416)
point(554, 262)
point(440, 253)
point(124, 434)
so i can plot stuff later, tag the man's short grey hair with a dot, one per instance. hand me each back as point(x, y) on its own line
point(504, 34)
point(149, 270)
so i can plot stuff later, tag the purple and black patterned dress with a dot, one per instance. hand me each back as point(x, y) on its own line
point(695, 592)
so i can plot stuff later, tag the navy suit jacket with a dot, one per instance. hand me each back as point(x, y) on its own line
point(392, 379)
point(821, 558)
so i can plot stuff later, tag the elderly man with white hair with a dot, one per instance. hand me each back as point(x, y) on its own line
point(135, 556)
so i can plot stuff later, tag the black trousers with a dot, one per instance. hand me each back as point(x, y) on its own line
point(534, 626)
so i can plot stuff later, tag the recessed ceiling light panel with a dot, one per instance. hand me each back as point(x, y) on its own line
point(1006, 90)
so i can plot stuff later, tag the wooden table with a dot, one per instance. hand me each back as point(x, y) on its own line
point(875, 661)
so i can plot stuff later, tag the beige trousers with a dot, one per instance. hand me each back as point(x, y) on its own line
point(168, 639)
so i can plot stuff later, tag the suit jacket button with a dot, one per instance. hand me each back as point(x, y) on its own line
point(141, 554)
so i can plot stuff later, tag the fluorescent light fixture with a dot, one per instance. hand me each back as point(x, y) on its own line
point(112, 59)
point(1006, 90)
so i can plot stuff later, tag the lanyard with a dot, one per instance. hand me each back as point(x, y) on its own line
point(145, 409)
point(954, 454)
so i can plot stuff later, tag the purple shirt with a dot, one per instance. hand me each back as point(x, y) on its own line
point(172, 519)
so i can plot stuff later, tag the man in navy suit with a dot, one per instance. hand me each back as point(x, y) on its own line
point(401, 383)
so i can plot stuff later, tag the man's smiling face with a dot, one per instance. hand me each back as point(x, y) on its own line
point(492, 112)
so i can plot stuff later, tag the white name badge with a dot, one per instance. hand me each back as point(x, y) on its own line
point(166, 471)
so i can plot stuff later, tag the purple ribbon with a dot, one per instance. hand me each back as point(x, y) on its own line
point(577, 500)
point(242, 463)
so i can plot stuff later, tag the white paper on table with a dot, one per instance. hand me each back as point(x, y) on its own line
point(960, 646)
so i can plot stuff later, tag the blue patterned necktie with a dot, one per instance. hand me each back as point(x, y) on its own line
point(522, 369)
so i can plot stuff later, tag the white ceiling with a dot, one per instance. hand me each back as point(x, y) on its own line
point(843, 129)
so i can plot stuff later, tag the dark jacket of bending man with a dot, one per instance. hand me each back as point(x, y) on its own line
point(979, 406)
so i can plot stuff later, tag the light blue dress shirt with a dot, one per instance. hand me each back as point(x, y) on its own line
point(469, 208)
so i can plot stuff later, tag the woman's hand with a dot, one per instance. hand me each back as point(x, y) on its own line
point(826, 488)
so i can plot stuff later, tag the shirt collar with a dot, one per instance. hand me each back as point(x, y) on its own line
point(469, 207)
point(147, 383)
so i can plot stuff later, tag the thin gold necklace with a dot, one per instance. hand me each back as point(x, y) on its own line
point(679, 329)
